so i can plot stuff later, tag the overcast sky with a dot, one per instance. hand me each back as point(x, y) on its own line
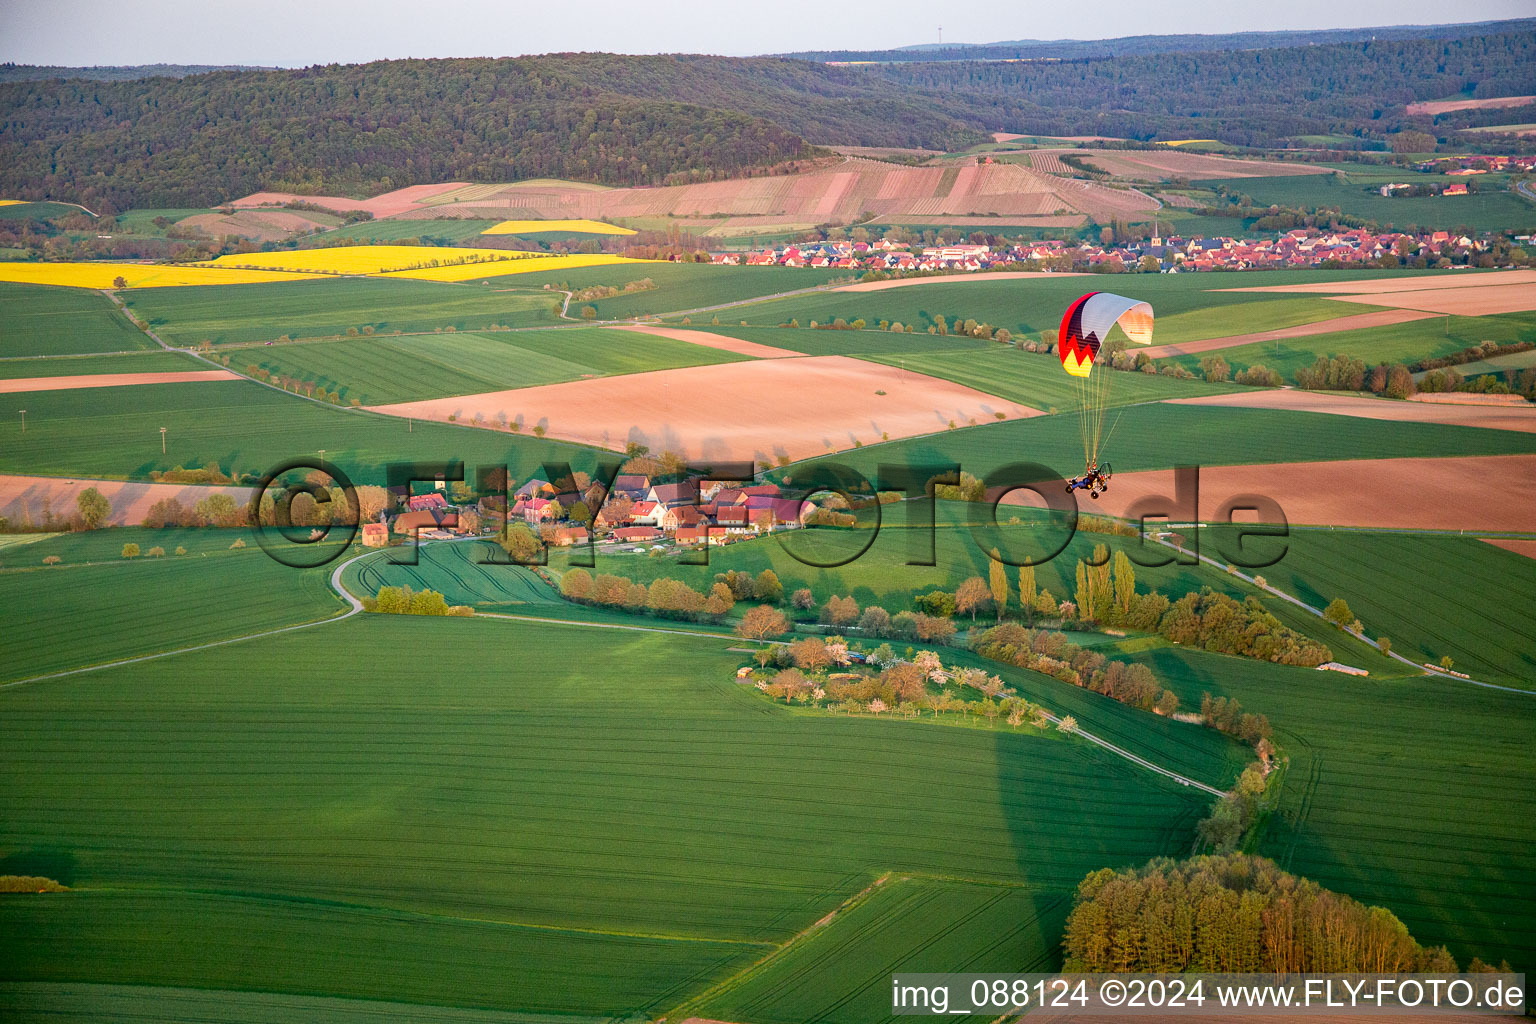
point(294, 33)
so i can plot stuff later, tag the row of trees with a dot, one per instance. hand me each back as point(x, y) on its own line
point(1233, 913)
point(405, 601)
point(665, 597)
point(1052, 654)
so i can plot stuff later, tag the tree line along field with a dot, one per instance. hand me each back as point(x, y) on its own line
point(1159, 435)
point(97, 606)
point(1495, 208)
point(328, 308)
point(378, 371)
point(1189, 306)
point(515, 832)
point(245, 428)
point(1415, 794)
point(41, 320)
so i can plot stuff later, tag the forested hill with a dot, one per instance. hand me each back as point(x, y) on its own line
point(112, 72)
point(1127, 46)
point(624, 120)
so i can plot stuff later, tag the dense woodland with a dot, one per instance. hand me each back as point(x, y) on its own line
point(627, 120)
point(1127, 46)
point(1233, 914)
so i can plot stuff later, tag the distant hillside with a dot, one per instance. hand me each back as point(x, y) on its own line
point(110, 73)
point(1125, 46)
point(358, 130)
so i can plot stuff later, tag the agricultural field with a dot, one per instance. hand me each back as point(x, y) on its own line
point(548, 884)
point(380, 370)
point(363, 259)
point(329, 308)
point(678, 286)
point(448, 231)
point(1414, 794)
point(1161, 435)
point(1038, 381)
point(136, 275)
point(1189, 306)
point(129, 362)
point(96, 606)
point(37, 320)
point(1495, 208)
point(843, 970)
point(1381, 577)
point(1397, 343)
point(245, 428)
point(524, 228)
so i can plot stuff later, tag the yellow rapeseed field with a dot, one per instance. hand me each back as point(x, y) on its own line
point(530, 264)
point(11, 202)
point(366, 259)
point(586, 227)
point(137, 275)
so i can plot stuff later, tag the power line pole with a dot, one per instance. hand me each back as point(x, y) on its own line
point(162, 440)
point(23, 421)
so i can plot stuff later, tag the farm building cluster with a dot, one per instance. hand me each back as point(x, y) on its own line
point(1299, 248)
point(634, 511)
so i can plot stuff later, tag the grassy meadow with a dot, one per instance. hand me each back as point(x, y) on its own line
point(71, 366)
point(541, 837)
point(378, 371)
point(1189, 306)
point(1415, 794)
point(245, 428)
point(97, 606)
point(41, 320)
point(329, 307)
point(1496, 208)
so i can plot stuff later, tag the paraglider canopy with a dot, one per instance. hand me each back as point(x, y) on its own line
point(1084, 329)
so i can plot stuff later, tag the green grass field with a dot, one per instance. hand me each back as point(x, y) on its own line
point(1398, 343)
point(327, 308)
point(459, 572)
point(426, 816)
point(1495, 208)
point(431, 232)
point(1415, 794)
point(36, 211)
point(870, 343)
point(1157, 436)
point(245, 428)
point(38, 320)
point(96, 606)
point(1039, 381)
point(1481, 612)
point(843, 970)
point(70, 366)
point(378, 371)
point(142, 222)
point(1188, 306)
point(679, 286)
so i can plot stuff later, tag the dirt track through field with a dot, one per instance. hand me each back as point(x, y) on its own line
point(31, 496)
point(1379, 318)
point(760, 410)
point(110, 380)
point(1496, 492)
point(719, 341)
point(1495, 417)
point(1008, 275)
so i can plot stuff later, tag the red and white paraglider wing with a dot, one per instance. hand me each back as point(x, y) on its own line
point(1086, 325)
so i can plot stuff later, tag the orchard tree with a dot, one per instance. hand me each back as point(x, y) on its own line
point(762, 622)
point(94, 509)
point(1338, 613)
